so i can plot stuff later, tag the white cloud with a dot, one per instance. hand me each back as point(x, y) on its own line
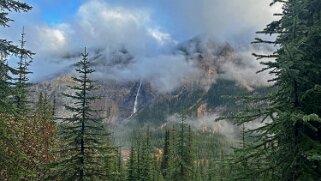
point(245, 69)
point(164, 72)
point(50, 41)
point(103, 25)
point(220, 18)
point(161, 37)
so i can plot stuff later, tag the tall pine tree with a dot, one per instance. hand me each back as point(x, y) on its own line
point(83, 134)
point(132, 165)
point(168, 155)
point(183, 169)
point(10, 154)
point(22, 81)
point(288, 147)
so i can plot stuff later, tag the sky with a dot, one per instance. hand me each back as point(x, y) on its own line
point(55, 11)
point(56, 29)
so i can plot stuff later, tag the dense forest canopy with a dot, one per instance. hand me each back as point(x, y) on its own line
point(198, 112)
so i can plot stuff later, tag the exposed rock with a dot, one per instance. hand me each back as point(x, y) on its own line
point(119, 97)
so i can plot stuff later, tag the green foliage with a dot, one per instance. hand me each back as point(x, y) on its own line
point(37, 138)
point(178, 153)
point(22, 81)
point(132, 165)
point(83, 136)
point(158, 112)
point(6, 6)
point(113, 164)
point(286, 145)
point(218, 94)
point(140, 166)
point(193, 155)
point(222, 93)
point(10, 151)
point(183, 169)
point(168, 156)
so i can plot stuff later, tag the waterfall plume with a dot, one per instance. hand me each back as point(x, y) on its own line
point(136, 98)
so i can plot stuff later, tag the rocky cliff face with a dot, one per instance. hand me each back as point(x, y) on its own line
point(119, 96)
point(209, 57)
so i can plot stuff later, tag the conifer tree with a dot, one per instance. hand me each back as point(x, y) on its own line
point(140, 165)
point(6, 47)
point(10, 152)
point(184, 153)
point(157, 174)
point(120, 166)
point(22, 104)
point(83, 134)
point(132, 165)
point(211, 170)
point(145, 161)
point(38, 138)
point(288, 147)
point(113, 162)
point(167, 158)
point(22, 81)
point(110, 164)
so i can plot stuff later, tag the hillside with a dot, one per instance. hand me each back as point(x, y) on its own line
point(139, 102)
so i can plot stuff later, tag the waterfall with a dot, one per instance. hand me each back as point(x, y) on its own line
point(136, 98)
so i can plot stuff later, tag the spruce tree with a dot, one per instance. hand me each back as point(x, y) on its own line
point(167, 158)
point(120, 166)
point(83, 134)
point(145, 160)
point(157, 174)
point(132, 165)
point(288, 147)
point(184, 152)
point(6, 47)
point(38, 138)
point(110, 163)
point(22, 81)
point(10, 152)
point(140, 165)
point(22, 104)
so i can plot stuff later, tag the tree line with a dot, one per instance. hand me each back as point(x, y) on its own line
point(287, 146)
point(38, 144)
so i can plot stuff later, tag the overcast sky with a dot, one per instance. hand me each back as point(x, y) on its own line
point(56, 28)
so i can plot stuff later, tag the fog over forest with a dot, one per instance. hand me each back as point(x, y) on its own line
point(144, 90)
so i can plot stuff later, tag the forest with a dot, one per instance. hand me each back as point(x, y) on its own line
point(39, 142)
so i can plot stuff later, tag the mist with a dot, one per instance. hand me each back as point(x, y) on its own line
point(111, 26)
point(164, 72)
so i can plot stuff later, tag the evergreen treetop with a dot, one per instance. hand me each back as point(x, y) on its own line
point(287, 146)
point(83, 134)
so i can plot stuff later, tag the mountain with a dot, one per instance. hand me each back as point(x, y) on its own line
point(138, 102)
